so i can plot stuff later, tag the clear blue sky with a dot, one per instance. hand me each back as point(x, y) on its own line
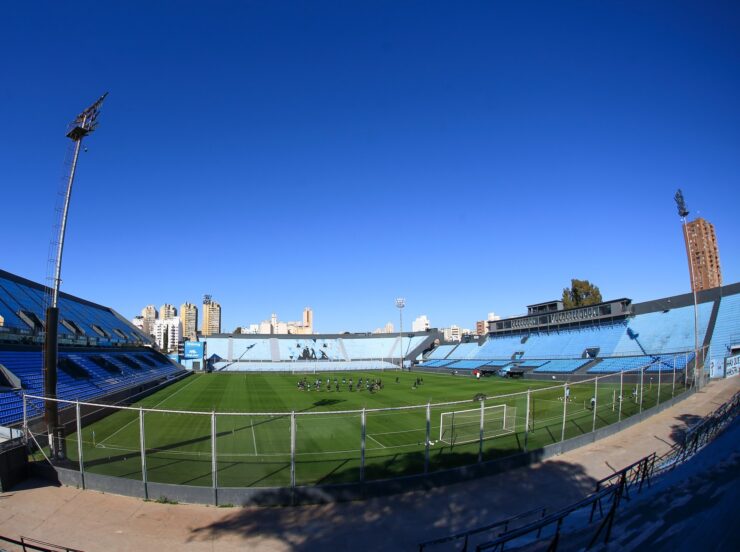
point(472, 157)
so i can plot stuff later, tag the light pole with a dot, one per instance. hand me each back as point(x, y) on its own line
point(683, 212)
point(85, 123)
point(400, 303)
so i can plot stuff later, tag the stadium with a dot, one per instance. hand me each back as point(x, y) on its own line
point(373, 161)
point(289, 420)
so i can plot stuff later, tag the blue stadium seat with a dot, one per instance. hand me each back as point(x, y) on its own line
point(562, 366)
point(27, 366)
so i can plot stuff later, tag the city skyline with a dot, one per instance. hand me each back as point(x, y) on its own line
point(338, 151)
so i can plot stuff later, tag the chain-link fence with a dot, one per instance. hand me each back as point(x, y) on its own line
point(326, 447)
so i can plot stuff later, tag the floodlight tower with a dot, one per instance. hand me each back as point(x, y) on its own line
point(683, 212)
point(85, 123)
point(400, 303)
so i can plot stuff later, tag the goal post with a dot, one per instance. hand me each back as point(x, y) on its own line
point(464, 426)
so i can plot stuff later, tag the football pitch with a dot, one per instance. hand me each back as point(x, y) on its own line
point(255, 449)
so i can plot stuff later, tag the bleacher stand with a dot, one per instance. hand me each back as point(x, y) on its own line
point(100, 352)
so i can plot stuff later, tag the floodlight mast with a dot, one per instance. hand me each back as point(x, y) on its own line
point(400, 303)
point(84, 124)
point(683, 212)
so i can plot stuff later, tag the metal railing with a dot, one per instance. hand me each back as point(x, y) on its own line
point(610, 491)
point(464, 536)
point(26, 543)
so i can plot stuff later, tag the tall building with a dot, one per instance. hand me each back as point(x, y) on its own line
point(189, 320)
point(453, 333)
point(275, 326)
point(167, 311)
point(702, 250)
point(308, 320)
point(149, 314)
point(481, 326)
point(211, 316)
point(421, 324)
point(167, 334)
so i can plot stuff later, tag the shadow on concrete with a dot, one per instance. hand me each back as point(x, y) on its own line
point(402, 521)
point(679, 430)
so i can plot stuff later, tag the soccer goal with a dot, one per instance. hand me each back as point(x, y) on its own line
point(464, 426)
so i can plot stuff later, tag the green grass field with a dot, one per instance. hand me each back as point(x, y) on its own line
point(254, 450)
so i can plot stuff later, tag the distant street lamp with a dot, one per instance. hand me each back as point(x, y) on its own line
point(400, 303)
point(683, 212)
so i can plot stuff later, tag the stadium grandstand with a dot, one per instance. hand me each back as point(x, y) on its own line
point(246, 353)
point(610, 337)
point(102, 356)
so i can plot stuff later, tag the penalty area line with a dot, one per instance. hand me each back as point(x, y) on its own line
point(254, 439)
point(374, 439)
point(101, 445)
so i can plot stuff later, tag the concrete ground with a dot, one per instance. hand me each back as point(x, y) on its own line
point(94, 521)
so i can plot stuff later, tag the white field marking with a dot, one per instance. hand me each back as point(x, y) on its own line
point(254, 438)
point(136, 419)
point(374, 439)
point(432, 426)
point(207, 455)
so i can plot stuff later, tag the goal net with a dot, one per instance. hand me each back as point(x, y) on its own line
point(464, 426)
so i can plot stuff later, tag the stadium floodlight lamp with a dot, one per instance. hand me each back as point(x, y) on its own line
point(400, 302)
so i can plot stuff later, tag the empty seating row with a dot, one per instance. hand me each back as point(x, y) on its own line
point(563, 366)
point(726, 328)
point(441, 352)
point(304, 366)
point(79, 319)
point(621, 364)
point(84, 375)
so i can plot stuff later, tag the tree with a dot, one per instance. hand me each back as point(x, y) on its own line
point(581, 293)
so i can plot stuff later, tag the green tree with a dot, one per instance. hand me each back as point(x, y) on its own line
point(581, 293)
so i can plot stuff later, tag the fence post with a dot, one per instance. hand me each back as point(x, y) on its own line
point(686, 369)
point(565, 409)
point(526, 422)
point(79, 444)
point(621, 394)
point(25, 418)
point(482, 422)
point(660, 371)
point(142, 451)
point(214, 461)
point(292, 449)
point(673, 385)
point(429, 436)
point(596, 401)
point(362, 446)
point(642, 384)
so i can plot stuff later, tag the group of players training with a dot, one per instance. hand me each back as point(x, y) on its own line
point(371, 385)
